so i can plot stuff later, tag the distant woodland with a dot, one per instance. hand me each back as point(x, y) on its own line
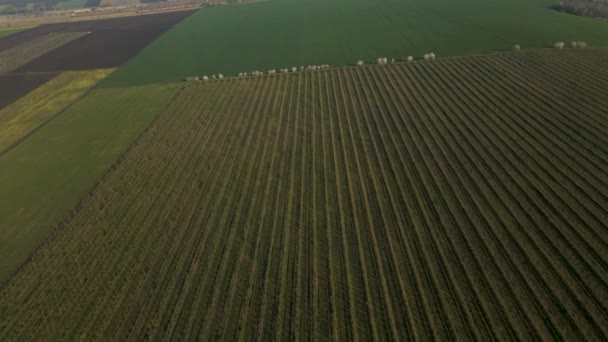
point(590, 8)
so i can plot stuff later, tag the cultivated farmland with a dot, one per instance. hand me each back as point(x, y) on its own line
point(42, 104)
point(284, 33)
point(463, 197)
point(9, 31)
point(109, 44)
point(13, 58)
point(15, 86)
point(45, 175)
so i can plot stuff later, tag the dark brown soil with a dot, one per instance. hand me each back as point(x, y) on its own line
point(15, 86)
point(111, 43)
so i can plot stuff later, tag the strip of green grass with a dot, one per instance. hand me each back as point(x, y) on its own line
point(44, 177)
point(282, 33)
point(9, 31)
point(29, 112)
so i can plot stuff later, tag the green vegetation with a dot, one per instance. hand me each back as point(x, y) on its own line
point(24, 53)
point(43, 177)
point(458, 198)
point(33, 110)
point(8, 31)
point(282, 33)
point(71, 4)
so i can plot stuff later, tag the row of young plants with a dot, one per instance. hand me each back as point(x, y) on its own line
point(429, 200)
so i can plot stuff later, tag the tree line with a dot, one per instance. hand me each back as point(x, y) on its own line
point(590, 8)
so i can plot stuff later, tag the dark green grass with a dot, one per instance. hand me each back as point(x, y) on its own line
point(283, 33)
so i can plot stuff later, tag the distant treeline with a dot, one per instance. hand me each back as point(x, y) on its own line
point(30, 6)
point(26, 6)
point(590, 8)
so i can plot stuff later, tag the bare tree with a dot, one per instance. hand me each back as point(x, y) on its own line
point(516, 47)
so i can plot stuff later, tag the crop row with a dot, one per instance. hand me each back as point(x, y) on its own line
point(455, 199)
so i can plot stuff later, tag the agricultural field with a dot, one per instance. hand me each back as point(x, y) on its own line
point(15, 86)
point(457, 198)
point(9, 31)
point(13, 58)
point(44, 176)
point(110, 43)
point(32, 111)
point(57, 137)
point(284, 33)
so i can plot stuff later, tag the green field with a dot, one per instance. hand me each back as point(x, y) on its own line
point(45, 176)
point(282, 33)
point(460, 198)
point(40, 105)
point(9, 31)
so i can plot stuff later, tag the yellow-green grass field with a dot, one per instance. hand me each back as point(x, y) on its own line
point(33, 110)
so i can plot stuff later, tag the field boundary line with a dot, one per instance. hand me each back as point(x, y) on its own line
point(37, 72)
point(125, 62)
